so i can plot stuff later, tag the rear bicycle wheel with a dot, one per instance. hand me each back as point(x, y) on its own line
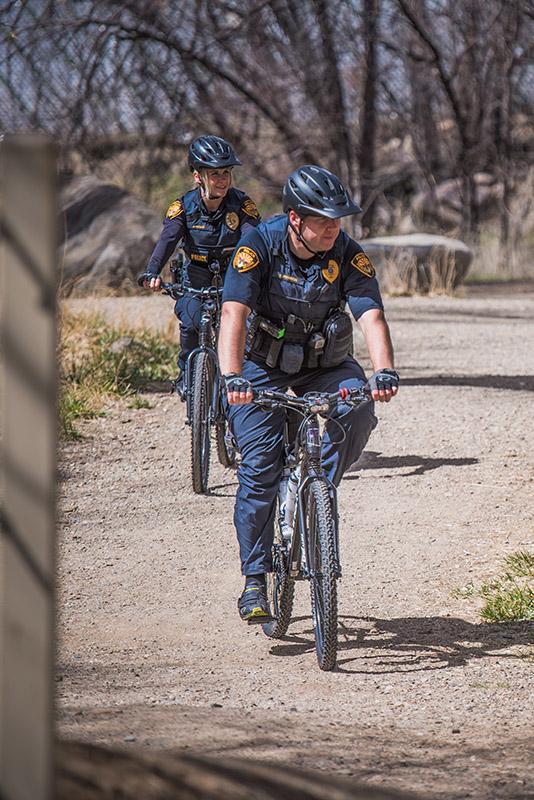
point(280, 586)
point(320, 524)
point(201, 422)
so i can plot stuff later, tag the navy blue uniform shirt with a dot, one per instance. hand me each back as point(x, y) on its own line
point(268, 278)
point(203, 235)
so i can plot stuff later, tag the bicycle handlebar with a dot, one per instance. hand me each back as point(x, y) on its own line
point(311, 402)
point(177, 290)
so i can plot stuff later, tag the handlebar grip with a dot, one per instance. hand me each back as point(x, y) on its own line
point(144, 276)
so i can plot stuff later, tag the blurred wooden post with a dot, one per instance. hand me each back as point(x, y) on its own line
point(28, 473)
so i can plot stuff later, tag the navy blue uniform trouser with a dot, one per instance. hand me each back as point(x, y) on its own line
point(259, 436)
point(187, 309)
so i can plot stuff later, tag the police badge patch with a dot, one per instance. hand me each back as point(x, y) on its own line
point(331, 272)
point(245, 259)
point(232, 221)
point(175, 209)
point(362, 263)
point(250, 208)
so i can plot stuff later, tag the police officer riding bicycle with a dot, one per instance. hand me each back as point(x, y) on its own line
point(206, 221)
point(283, 326)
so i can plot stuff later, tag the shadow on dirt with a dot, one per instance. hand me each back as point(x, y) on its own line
point(517, 383)
point(218, 490)
point(160, 387)
point(372, 460)
point(412, 644)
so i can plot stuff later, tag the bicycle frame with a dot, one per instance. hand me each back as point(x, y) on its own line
point(308, 455)
point(209, 320)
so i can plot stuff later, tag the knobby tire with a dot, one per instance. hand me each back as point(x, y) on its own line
point(200, 422)
point(320, 524)
point(225, 453)
point(280, 587)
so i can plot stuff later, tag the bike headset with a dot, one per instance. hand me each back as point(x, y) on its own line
point(329, 419)
point(315, 191)
point(210, 152)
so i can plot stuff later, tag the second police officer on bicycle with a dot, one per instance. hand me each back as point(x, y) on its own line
point(206, 221)
point(283, 326)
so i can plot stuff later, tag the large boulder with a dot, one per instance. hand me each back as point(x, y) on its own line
point(418, 262)
point(108, 236)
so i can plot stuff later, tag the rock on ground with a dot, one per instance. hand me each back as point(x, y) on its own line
point(107, 236)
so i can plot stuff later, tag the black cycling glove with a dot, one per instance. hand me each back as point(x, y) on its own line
point(384, 379)
point(145, 276)
point(236, 383)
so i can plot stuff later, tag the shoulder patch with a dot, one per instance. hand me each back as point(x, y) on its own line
point(245, 258)
point(175, 209)
point(250, 208)
point(232, 221)
point(331, 272)
point(362, 263)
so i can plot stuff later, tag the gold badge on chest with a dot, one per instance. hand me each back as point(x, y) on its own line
point(232, 221)
point(331, 272)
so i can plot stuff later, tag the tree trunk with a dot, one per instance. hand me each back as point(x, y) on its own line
point(367, 150)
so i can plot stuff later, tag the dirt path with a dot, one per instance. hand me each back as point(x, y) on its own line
point(151, 651)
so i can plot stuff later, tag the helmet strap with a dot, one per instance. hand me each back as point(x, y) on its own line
point(204, 190)
point(301, 239)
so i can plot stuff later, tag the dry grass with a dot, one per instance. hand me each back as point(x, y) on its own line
point(402, 276)
point(98, 360)
point(491, 261)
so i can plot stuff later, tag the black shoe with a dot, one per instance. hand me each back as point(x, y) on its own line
point(253, 606)
point(178, 386)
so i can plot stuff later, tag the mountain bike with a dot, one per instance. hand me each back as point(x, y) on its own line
point(201, 390)
point(306, 540)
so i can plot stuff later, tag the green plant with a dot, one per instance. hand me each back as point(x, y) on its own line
point(510, 596)
point(139, 402)
point(463, 592)
point(98, 360)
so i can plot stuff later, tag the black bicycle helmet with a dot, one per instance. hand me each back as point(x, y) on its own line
point(312, 190)
point(211, 152)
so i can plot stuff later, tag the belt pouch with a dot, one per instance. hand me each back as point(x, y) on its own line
point(314, 349)
point(292, 358)
point(338, 339)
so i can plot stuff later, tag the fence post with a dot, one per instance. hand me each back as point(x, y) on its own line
point(28, 240)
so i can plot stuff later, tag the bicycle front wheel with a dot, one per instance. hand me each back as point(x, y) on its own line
point(200, 422)
point(321, 529)
point(280, 586)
